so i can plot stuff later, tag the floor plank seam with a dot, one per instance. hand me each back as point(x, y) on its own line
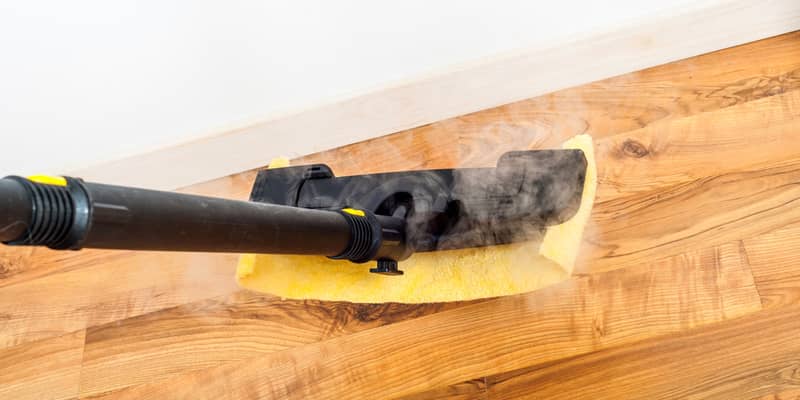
point(80, 371)
point(743, 253)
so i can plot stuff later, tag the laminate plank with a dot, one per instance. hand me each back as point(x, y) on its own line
point(750, 357)
point(703, 212)
point(128, 285)
point(46, 369)
point(677, 151)
point(581, 315)
point(23, 264)
point(660, 192)
point(775, 261)
point(162, 344)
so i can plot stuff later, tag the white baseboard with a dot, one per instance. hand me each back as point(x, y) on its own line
point(681, 33)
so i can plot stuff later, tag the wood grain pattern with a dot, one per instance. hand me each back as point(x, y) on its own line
point(673, 152)
point(125, 286)
point(19, 264)
point(775, 258)
point(580, 316)
point(700, 161)
point(742, 359)
point(233, 328)
point(47, 369)
point(701, 212)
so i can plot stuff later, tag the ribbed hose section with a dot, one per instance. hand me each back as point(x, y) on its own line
point(52, 214)
point(362, 240)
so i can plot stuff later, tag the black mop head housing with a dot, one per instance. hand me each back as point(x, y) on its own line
point(440, 209)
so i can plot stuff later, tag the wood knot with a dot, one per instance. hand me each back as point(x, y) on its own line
point(632, 148)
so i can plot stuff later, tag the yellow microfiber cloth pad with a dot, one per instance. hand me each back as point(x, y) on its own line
point(439, 276)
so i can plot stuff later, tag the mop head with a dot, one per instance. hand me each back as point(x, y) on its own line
point(439, 276)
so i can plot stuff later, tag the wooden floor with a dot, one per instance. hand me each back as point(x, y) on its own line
point(688, 285)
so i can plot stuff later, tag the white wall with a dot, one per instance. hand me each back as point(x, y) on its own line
point(86, 81)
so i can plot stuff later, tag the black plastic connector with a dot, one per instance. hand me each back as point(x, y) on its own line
point(386, 267)
point(365, 237)
point(59, 215)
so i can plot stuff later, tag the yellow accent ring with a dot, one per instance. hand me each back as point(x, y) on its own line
point(353, 211)
point(48, 180)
